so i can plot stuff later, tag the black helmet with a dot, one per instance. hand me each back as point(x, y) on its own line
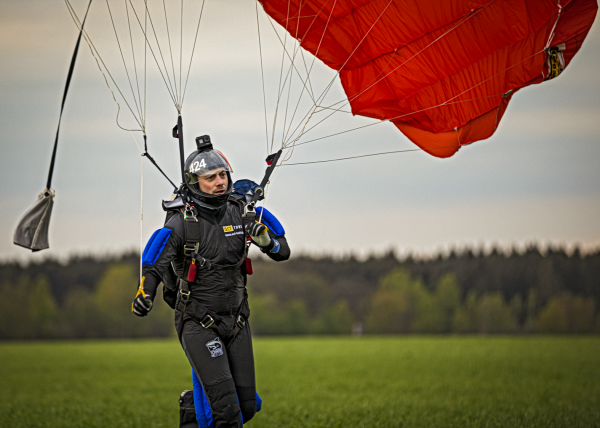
point(206, 161)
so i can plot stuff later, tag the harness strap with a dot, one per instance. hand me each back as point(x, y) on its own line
point(208, 319)
point(195, 310)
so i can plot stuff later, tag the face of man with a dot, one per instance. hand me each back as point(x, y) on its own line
point(213, 183)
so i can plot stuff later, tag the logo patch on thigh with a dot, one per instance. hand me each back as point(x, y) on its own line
point(215, 347)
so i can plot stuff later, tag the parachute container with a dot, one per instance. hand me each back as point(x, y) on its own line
point(32, 231)
point(443, 71)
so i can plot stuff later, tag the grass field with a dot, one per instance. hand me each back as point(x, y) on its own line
point(315, 382)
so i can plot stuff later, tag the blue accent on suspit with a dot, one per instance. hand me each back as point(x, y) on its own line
point(276, 247)
point(270, 221)
point(155, 245)
point(258, 402)
point(203, 411)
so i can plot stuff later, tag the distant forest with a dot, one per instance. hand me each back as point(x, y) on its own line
point(469, 291)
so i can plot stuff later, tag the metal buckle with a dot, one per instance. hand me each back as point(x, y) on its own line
point(184, 294)
point(189, 209)
point(190, 249)
point(212, 321)
point(249, 209)
point(241, 322)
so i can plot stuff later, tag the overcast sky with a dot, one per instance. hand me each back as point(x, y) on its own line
point(537, 179)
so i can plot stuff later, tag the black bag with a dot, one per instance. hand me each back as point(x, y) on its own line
point(187, 410)
point(32, 231)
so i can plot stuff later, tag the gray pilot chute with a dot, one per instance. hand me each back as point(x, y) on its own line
point(32, 231)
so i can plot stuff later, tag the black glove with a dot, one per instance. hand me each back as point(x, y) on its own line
point(259, 234)
point(141, 305)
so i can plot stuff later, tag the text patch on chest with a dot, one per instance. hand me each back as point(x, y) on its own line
point(233, 230)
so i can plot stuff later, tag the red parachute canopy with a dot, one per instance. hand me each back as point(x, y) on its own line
point(443, 71)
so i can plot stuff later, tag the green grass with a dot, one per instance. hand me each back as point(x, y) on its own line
point(315, 382)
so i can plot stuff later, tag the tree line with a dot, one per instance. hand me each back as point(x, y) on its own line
point(469, 291)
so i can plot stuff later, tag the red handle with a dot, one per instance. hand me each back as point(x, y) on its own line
point(192, 273)
point(248, 266)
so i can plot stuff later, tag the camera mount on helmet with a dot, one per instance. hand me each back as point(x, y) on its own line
point(203, 143)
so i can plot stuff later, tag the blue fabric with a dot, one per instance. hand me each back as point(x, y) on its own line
point(242, 187)
point(276, 247)
point(258, 402)
point(155, 245)
point(270, 221)
point(203, 412)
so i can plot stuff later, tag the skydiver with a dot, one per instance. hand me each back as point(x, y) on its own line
point(203, 243)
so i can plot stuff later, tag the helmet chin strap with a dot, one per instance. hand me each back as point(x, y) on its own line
point(204, 205)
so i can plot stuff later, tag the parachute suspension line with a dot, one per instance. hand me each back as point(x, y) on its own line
point(341, 101)
point(287, 104)
point(465, 19)
point(137, 82)
point(262, 76)
point(137, 106)
point(192, 56)
point(280, 75)
point(552, 33)
point(299, 46)
point(147, 42)
point(289, 74)
point(180, 49)
point(445, 103)
point(378, 122)
point(491, 77)
point(364, 156)
point(172, 63)
point(145, 60)
point(311, 94)
point(291, 58)
point(346, 102)
point(327, 89)
point(142, 117)
point(94, 53)
point(285, 130)
point(99, 60)
point(338, 110)
point(322, 35)
point(141, 212)
point(166, 70)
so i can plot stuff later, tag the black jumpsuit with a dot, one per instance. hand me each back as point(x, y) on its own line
point(223, 363)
